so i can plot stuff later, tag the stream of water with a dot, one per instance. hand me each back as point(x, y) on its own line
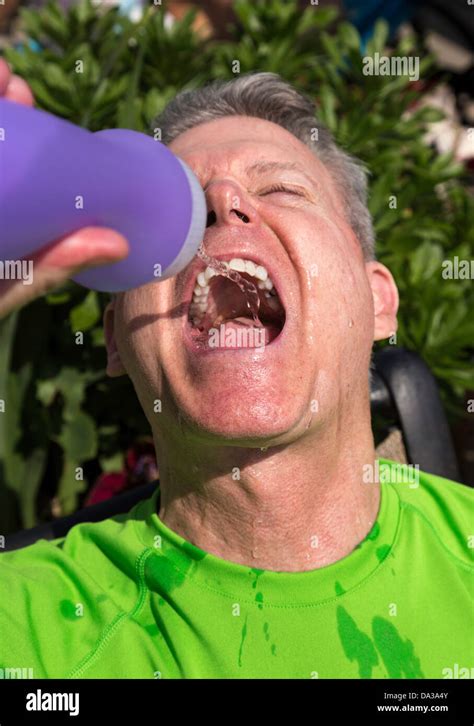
point(248, 288)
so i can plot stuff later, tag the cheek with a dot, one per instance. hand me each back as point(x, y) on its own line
point(138, 323)
point(341, 299)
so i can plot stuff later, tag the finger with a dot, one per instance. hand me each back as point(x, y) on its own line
point(15, 294)
point(5, 74)
point(19, 91)
point(88, 246)
point(55, 264)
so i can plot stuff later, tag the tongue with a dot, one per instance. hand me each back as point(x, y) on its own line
point(242, 332)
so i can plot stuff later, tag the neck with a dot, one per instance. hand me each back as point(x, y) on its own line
point(293, 507)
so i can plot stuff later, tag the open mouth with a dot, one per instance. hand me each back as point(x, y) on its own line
point(220, 314)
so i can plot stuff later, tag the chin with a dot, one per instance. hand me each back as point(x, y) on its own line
point(243, 419)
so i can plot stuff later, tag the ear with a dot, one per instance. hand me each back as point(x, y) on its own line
point(385, 295)
point(115, 367)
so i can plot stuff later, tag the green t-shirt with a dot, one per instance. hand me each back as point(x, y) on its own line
point(130, 598)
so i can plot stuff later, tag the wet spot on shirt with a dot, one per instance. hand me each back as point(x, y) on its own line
point(338, 588)
point(356, 644)
point(152, 630)
point(161, 574)
point(257, 574)
point(372, 535)
point(397, 654)
point(68, 610)
point(242, 640)
point(374, 532)
point(266, 632)
point(101, 598)
point(382, 552)
point(259, 599)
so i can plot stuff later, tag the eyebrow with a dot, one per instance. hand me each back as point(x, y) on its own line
point(262, 167)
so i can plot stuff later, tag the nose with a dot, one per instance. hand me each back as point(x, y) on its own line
point(226, 204)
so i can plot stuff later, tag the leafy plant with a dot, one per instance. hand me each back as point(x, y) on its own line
point(100, 70)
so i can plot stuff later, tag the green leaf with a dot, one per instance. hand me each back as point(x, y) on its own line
point(58, 298)
point(425, 261)
point(70, 383)
point(349, 36)
point(30, 475)
point(46, 391)
point(84, 316)
point(79, 437)
point(69, 487)
point(380, 36)
point(31, 21)
point(331, 47)
point(97, 337)
point(85, 11)
point(153, 104)
point(47, 100)
point(327, 100)
point(429, 114)
point(56, 78)
point(112, 463)
point(20, 470)
point(129, 114)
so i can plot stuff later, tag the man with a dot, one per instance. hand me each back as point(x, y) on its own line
point(271, 549)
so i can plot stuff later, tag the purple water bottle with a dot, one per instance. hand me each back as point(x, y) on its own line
point(56, 177)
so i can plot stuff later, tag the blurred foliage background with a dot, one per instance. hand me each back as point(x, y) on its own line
point(63, 411)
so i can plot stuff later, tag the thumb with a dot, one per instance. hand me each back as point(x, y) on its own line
point(88, 247)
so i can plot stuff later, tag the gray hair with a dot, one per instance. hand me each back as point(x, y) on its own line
point(269, 97)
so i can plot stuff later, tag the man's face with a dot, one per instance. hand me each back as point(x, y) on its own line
point(320, 325)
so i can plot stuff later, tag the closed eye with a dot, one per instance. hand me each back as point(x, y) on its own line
point(282, 188)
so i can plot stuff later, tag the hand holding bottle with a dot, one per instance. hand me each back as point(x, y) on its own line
point(61, 259)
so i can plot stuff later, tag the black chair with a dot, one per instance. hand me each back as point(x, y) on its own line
point(404, 396)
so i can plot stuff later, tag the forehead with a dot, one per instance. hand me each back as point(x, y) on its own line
point(233, 142)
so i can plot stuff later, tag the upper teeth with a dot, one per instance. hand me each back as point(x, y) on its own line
point(199, 302)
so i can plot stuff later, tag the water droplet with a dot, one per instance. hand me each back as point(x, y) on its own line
point(351, 323)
